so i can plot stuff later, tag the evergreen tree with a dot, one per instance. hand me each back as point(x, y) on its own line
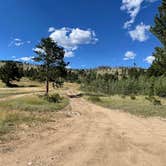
point(51, 57)
point(158, 67)
point(9, 72)
point(159, 30)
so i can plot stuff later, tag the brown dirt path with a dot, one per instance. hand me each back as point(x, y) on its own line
point(95, 137)
point(23, 92)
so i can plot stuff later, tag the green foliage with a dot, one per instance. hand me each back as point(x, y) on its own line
point(156, 102)
point(133, 97)
point(123, 96)
point(53, 98)
point(33, 104)
point(160, 86)
point(10, 71)
point(153, 100)
point(142, 85)
point(51, 57)
point(158, 67)
point(159, 29)
point(94, 98)
point(140, 106)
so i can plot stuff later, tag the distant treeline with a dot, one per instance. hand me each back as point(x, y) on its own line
point(125, 81)
point(110, 81)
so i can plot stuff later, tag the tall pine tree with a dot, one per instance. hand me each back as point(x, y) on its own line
point(51, 57)
point(159, 29)
point(158, 66)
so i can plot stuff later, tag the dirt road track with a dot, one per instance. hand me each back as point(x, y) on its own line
point(95, 137)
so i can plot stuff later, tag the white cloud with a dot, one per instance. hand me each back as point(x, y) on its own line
point(71, 38)
point(25, 59)
point(28, 42)
point(17, 39)
point(69, 54)
point(132, 7)
point(18, 42)
point(39, 50)
point(149, 59)
point(51, 29)
point(68, 67)
point(129, 55)
point(140, 32)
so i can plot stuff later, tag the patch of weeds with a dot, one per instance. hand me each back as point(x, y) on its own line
point(153, 100)
point(123, 96)
point(9, 120)
point(35, 103)
point(94, 99)
point(54, 98)
point(156, 102)
point(132, 97)
point(139, 107)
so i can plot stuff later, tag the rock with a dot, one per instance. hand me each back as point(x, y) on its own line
point(29, 163)
point(72, 114)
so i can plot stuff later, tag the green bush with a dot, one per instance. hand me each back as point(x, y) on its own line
point(53, 98)
point(133, 97)
point(94, 99)
point(150, 98)
point(160, 87)
point(123, 96)
point(153, 100)
point(156, 102)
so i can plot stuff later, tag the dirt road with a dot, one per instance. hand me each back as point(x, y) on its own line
point(93, 136)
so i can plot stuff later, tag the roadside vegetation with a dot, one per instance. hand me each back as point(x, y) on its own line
point(137, 105)
point(27, 109)
point(36, 103)
point(22, 97)
point(11, 120)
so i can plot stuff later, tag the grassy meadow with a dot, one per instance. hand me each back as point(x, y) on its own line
point(25, 105)
point(139, 105)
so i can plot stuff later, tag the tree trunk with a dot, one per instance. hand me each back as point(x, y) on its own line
point(47, 87)
point(47, 80)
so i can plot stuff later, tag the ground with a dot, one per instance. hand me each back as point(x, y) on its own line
point(84, 134)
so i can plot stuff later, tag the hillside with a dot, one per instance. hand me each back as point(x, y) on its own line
point(25, 65)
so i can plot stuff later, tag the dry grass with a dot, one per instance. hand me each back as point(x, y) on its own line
point(139, 106)
point(11, 120)
point(27, 109)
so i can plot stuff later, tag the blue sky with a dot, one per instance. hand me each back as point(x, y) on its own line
point(93, 32)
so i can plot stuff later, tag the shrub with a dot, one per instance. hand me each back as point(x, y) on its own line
point(54, 98)
point(94, 99)
point(160, 87)
point(156, 102)
point(123, 96)
point(133, 97)
point(153, 100)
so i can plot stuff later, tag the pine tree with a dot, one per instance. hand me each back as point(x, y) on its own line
point(158, 66)
point(51, 58)
point(159, 29)
point(9, 72)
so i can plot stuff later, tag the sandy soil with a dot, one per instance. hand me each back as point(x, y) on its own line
point(91, 136)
